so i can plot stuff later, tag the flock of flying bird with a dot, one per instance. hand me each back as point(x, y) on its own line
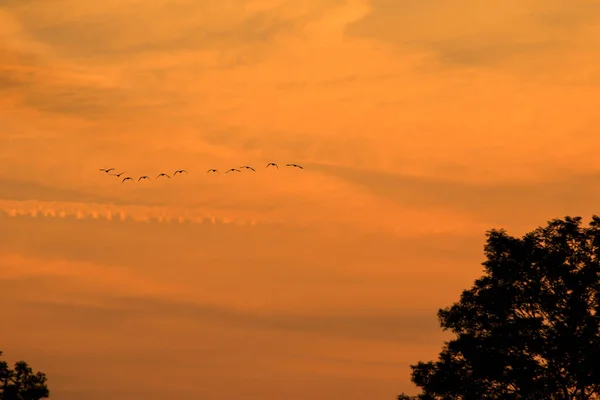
point(181, 171)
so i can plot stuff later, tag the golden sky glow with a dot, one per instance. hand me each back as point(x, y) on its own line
point(420, 124)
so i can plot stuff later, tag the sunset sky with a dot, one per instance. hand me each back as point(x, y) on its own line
point(420, 125)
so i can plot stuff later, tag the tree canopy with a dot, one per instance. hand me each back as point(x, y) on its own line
point(21, 383)
point(529, 328)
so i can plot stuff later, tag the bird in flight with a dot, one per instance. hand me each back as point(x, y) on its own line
point(107, 170)
point(163, 174)
point(248, 167)
point(127, 179)
point(272, 164)
point(212, 170)
point(294, 165)
point(180, 171)
point(233, 169)
point(143, 177)
point(118, 175)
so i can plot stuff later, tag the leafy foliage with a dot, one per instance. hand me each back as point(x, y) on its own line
point(530, 327)
point(21, 383)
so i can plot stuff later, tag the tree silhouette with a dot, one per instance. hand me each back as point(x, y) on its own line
point(21, 383)
point(530, 327)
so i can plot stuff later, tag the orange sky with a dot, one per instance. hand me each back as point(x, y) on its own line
point(421, 124)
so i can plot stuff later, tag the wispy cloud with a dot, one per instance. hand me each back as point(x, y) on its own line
point(119, 28)
point(498, 203)
point(400, 327)
point(143, 245)
point(507, 34)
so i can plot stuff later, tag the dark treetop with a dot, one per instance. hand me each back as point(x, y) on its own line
point(21, 383)
point(529, 328)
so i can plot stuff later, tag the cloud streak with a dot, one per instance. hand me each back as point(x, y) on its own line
point(491, 35)
point(397, 327)
point(498, 203)
point(117, 213)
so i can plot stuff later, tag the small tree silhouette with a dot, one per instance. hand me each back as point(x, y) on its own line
point(530, 327)
point(21, 383)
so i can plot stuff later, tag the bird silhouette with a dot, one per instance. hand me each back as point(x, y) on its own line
point(232, 170)
point(294, 165)
point(180, 171)
point(118, 175)
point(248, 167)
point(143, 177)
point(212, 170)
point(272, 164)
point(107, 170)
point(127, 179)
point(163, 174)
